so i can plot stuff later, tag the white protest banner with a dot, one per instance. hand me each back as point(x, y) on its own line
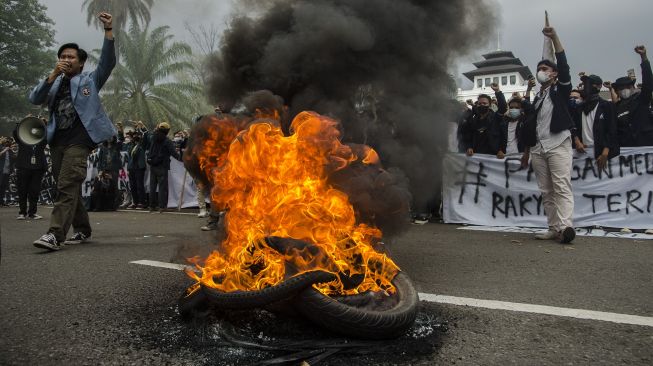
point(175, 183)
point(92, 172)
point(484, 190)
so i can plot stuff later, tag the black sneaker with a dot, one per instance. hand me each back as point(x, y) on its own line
point(48, 241)
point(567, 235)
point(77, 238)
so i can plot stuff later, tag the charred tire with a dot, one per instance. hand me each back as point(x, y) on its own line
point(189, 305)
point(255, 299)
point(361, 323)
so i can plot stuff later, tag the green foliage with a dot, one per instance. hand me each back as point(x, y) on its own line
point(26, 35)
point(121, 10)
point(146, 85)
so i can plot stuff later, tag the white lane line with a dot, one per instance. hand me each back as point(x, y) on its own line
point(179, 267)
point(540, 309)
point(156, 212)
point(490, 304)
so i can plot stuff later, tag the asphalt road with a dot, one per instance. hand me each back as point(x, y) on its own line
point(86, 304)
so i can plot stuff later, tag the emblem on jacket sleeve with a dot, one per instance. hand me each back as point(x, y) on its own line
point(86, 92)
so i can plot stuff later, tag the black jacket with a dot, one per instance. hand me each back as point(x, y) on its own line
point(634, 124)
point(561, 119)
point(484, 135)
point(604, 129)
point(161, 148)
point(25, 153)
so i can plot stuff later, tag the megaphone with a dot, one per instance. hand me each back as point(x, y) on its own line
point(31, 130)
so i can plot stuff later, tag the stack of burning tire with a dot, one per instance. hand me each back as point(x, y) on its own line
point(304, 222)
point(370, 315)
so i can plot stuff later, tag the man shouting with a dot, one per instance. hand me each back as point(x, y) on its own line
point(76, 125)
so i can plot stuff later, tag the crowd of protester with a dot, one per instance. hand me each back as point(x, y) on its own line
point(135, 147)
point(490, 125)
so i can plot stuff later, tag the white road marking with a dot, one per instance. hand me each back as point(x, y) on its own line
point(540, 309)
point(490, 304)
point(146, 211)
point(177, 266)
point(599, 233)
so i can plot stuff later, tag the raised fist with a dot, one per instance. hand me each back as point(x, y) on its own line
point(549, 32)
point(106, 19)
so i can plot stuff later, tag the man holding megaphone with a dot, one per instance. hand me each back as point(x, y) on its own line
point(30, 166)
point(76, 125)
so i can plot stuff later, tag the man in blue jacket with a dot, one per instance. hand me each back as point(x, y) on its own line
point(76, 125)
point(547, 135)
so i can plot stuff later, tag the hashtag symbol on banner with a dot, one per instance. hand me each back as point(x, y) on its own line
point(476, 180)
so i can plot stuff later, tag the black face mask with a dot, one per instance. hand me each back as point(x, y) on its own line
point(482, 109)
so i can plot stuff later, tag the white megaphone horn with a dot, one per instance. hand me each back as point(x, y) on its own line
point(31, 130)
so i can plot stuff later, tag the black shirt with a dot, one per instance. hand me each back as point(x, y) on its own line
point(70, 129)
point(30, 156)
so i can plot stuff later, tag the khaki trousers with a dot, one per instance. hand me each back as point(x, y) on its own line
point(553, 172)
point(69, 170)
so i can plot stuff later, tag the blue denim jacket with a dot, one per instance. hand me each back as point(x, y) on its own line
point(85, 88)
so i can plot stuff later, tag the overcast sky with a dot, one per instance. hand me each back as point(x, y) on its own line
point(598, 35)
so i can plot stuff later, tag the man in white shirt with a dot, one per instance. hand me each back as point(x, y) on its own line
point(547, 133)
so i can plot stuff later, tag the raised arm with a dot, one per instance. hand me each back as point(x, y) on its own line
point(502, 106)
point(647, 76)
point(108, 55)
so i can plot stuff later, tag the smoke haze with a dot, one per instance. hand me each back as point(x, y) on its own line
point(380, 67)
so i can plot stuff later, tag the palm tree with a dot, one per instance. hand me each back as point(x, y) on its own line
point(122, 10)
point(149, 84)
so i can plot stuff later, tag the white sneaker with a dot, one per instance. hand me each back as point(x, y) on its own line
point(203, 214)
point(77, 238)
point(550, 234)
point(35, 217)
point(47, 241)
point(20, 217)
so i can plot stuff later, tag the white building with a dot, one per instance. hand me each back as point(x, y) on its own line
point(500, 67)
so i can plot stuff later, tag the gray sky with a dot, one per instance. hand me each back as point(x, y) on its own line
point(598, 35)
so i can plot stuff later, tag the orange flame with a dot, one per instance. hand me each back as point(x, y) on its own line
point(276, 186)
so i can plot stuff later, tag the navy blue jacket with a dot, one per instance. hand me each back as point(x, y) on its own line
point(634, 120)
point(561, 119)
point(604, 129)
point(484, 135)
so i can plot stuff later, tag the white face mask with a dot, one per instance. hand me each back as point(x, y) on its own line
point(514, 113)
point(543, 76)
point(625, 93)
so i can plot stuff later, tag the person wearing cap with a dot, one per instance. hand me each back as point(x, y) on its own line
point(77, 123)
point(596, 126)
point(634, 125)
point(546, 133)
point(160, 149)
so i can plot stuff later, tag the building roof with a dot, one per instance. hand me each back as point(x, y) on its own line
point(498, 62)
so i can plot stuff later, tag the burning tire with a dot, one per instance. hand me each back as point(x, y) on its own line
point(192, 303)
point(252, 299)
point(360, 322)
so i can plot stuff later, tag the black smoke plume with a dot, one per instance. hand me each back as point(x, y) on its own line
point(381, 67)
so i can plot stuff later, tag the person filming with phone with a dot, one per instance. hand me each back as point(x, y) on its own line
point(77, 123)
